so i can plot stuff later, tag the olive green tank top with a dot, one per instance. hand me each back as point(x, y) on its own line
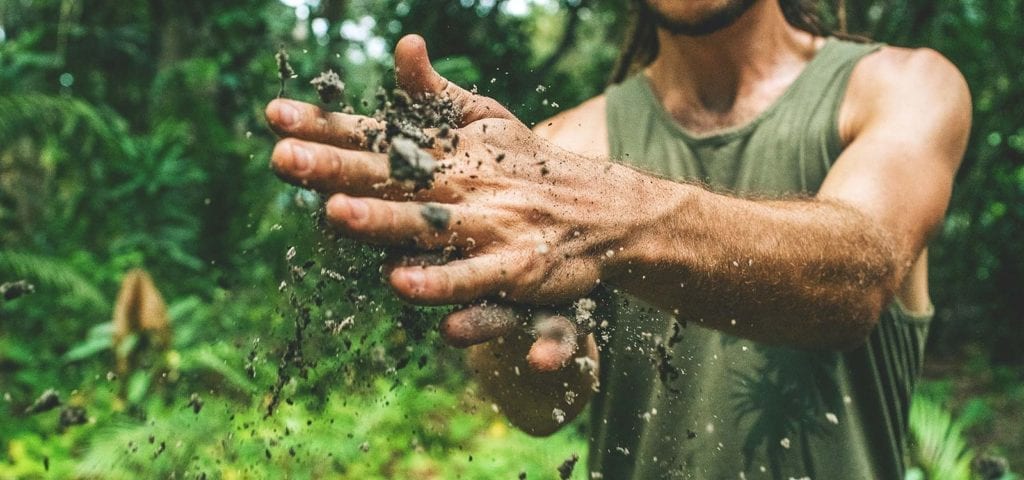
point(682, 401)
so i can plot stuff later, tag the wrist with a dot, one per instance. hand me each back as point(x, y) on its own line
point(650, 227)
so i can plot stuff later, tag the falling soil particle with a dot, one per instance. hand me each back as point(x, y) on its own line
point(284, 69)
point(566, 468)
point(196, 402)
point(12, 290)
point(72, 415)
point(49, 400)
point(410, 162)
point(558, 415)
point(667, 372)
point(328, 86)
point(990, 467)
point(436, 216)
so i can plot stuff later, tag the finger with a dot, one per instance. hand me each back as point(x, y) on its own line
point(416, 76)
point(480, 323)
point(555, 345)
point(403, 257)
point(330, 169)
point(461, 281)
point(427, 226)
point(301, 120)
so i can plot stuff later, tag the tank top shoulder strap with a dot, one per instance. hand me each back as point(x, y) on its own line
point(816, 97)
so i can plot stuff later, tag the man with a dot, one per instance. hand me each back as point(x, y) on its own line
point(772, 299)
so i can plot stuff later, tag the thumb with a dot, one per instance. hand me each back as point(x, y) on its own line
point(416, 76)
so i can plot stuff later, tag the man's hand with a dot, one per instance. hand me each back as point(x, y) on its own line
point(525, 215)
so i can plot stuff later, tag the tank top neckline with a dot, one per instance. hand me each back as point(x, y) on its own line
point(729, 133)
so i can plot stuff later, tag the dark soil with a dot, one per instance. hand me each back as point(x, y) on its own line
point(329, 87)
point(566, 468)
point(72, 415)
point(11, 290)
point(284, 69)
point(195, 402)
point(436, 216)
point(989, 467)
point(410, 126)
point(409, 118)
point(411, 163)
point(49, 400)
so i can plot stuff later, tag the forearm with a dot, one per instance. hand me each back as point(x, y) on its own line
point(537, 403)
point(808, 273)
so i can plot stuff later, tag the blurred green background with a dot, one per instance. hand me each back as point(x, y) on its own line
point(132, 136)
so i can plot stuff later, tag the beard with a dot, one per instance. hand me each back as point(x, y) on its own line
point(708, 23)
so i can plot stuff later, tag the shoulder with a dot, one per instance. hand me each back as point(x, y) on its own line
point(580, 129)
point(895, 87)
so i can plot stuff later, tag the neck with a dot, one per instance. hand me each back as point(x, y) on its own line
point(712, 71)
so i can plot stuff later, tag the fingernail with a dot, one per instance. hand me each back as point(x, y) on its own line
point(416, 279)
point(358, 209)
point(301, 158)
point(287, 114)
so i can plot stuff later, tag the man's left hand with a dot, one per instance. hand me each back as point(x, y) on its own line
point(531, 220)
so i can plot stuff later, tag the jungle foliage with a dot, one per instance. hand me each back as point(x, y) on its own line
point(132, 136)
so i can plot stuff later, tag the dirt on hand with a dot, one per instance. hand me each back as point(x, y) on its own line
point(410, 163)
point(436, 216)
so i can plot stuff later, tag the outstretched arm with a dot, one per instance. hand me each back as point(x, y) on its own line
point(547, 225)
point(814, 272)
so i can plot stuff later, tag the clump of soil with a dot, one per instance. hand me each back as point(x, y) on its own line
point(403, 116)
point(328, 86)
point(11, 290)
point(47, 401)
point(408, 126)
point(195, 402)
point(566, 468)
point(72, 415)
point(436, 216)
point(292, 360)
point(667, 372)
point(990, 467)
point(284, 69)
point(411, 163)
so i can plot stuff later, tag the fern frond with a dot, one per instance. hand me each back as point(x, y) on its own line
point(53, 273)
point(41, 115)
point(938, 444)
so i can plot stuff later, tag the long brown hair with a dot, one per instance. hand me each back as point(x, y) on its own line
point(641, 40)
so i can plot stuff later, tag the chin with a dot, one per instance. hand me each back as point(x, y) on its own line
point(688, 11)
point(696, 17)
